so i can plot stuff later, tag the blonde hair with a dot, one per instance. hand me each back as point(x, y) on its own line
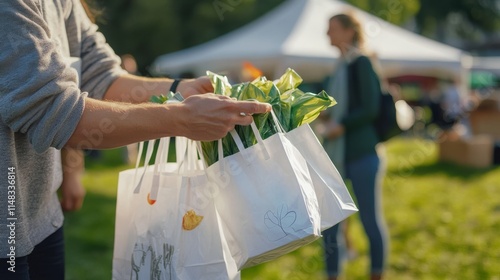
point(349, 21)
point(90, 9)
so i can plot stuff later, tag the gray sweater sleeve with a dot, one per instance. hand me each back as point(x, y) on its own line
point(39, 95)
point(38, 91)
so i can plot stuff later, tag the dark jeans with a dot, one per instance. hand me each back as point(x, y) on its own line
point(45, 262)
point(363, 175)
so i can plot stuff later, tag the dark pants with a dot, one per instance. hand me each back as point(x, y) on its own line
point(363, 175)
point(45, 262)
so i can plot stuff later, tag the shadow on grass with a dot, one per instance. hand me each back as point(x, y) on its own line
point(451, 170)
point(418, 157)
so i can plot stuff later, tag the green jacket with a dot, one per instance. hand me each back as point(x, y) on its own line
point(364, 103)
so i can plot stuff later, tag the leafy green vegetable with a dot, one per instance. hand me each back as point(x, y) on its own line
point(159, 99)
point(292, 106)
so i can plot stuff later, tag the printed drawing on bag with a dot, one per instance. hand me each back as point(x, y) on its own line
point(150, 201)
point(280, 222)
point(156, 264)
point(190, 220)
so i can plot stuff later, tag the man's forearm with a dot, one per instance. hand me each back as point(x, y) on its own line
point(135, 89)
point(112, 124)
point(204, 117)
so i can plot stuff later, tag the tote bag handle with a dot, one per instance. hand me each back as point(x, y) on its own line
point(186, 160)
point(277, 123)
point(149, 153)
point(241, 147)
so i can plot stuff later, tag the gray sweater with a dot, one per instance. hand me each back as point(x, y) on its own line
point(40, 106)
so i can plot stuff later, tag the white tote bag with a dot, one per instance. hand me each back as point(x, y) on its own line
point(335, 202)
point(163, 230)
point(265, 199)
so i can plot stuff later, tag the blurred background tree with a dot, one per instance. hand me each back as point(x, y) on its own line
point(468, 18)
point(147, 29)
point(394, 11)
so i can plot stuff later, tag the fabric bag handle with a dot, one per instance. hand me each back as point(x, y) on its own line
point(187, 155)
point(149, 153)
point(239, 144)
point(160, 157)
point(138, 159)
point(256, 132)
point(277, 123)
point(186, 159)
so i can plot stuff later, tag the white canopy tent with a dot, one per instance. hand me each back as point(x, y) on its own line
point(486, 63)
point(294, 35)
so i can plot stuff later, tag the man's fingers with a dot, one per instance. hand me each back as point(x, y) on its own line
point(244, 120)
point(245, 110)
point(223, 97)
point(73, 204)
point(79, 203)
point(253, 107)
point(211, 116)
point(66, 204)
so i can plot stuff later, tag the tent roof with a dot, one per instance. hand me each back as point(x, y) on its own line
point(486, 63)
point(294, 35)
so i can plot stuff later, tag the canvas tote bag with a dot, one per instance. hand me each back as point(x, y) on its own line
point(335, 202)
point(163, 230)
point(265, 199)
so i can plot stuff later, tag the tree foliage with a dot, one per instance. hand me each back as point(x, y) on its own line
point(147, 29)
point(395, 11)
point(468, 16)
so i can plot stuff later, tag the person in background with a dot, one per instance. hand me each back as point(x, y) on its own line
point(350, 139)
point(44, 109)
point(454, 116)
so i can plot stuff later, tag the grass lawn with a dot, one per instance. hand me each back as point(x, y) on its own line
point(443, 220)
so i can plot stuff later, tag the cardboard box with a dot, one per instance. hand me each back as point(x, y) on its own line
point(486, 122)
point(476, 151)
point(486, 118)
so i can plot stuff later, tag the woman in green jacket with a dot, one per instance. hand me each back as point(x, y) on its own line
point(350, 139)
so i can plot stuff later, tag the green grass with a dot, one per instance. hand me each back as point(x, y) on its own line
point(443, 221)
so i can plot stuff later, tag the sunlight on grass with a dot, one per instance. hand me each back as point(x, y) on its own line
point(443, 222)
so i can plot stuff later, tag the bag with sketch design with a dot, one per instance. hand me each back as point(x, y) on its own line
point(265, 199)
point(166, 223)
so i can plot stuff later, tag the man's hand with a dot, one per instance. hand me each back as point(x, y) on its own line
point(72, 193)
point(72, 190)
point(195, 86)
point(203, 117)
point(210, 117)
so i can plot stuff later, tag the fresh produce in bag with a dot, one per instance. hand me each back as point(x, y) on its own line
point(292, 106)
